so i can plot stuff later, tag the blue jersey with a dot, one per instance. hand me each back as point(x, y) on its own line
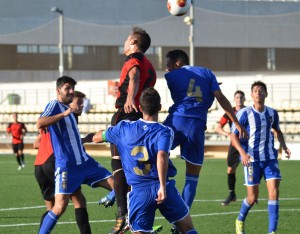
point(260, 144)
point(65, 137)
point(192, 91)
point(138, 143)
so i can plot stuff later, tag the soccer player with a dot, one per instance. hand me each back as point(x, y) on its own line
point(258, 155)
point(233, 156)
point(144, 147)
point(136, 75)
point(17, 131)
point(193, 90)
point(73, 166)
point(45, 169)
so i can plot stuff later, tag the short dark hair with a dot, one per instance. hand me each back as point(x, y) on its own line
point(65, 80)
point(239, 92)
point(143, 38)
point(259, 83)
point(79, 94)
point(178, 55)
point(150, 101)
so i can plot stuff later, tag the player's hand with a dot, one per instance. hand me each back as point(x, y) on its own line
point(161, 196)
point(246, 160)
point(287, 153)
point(243, 133)
point(130, 106)
point(88, 138)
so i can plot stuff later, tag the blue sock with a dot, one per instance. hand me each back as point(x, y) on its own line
point(189, 190)
point(244, 210)
point(111, 194)
point(273, 207)
point(49, 222)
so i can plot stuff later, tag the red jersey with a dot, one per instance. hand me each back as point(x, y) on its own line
point(16, 130)
point(45, 149)
point(225, 119)
point(147, 77)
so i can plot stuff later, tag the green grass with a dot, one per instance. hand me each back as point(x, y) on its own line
point(21, 203)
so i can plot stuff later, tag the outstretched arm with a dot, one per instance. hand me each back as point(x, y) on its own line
point(229, 111)
point(162, 168)
point(44, 122)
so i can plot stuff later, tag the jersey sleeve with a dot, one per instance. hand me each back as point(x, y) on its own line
point(8, 129)
point(224, 120)
point(165, 140)
point(112, 133)
point(51, 109)
point(214, 84)
point(275, 124)
point(242, 118)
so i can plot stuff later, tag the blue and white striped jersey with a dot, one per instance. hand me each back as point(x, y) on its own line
point(259, 125)
point(65, 137)
point(138, 143)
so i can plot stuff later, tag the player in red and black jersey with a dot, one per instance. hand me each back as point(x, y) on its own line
point(17, 130)
point(137, 74)
point(233, 157)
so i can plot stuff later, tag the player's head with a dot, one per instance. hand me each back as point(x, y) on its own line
point(77, 102)
point(65, 86)
point(138, 40)
point(15, 117)
point(259, 91)
point(175, 59)
point(150, 102)
point(239, 98)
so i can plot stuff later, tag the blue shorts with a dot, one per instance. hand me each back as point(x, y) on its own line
point(68, 180)
point(189, 134)
point(267, 169)
point(142, 206)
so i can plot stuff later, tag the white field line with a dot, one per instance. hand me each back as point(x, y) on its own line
point(159, 217)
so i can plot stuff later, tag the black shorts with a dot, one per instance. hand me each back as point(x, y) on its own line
point(44, 175)
point(233, 157)
point(17, 147)
point(119, 116)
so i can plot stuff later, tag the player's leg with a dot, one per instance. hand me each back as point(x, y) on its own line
point(50, 220)
point(191, 182)
point(46, 184)
point(192, 150)
point(21, 154)
point(273, 177)
point(15, 150)
point(186, 225)
point(252, 175)
point(81, 214)
point(233, 159)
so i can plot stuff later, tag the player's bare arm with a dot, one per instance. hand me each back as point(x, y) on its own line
point(133, 87)
point(44, 122)
point(98, 137)
point(245, 158)
point(36, 143)
point(162, 168)
point(282, 143)
point(220, 130)
point(225, 104)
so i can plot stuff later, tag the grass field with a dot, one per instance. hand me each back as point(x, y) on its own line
point(21, 203)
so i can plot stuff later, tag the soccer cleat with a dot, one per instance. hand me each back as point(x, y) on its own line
point(156, 229)
point(23, 165)
point(239, 227)
point(272, 233)
point(19, 168)
point(174, 230)
point(230, 198)
point(107, 201)
point(121, 224)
